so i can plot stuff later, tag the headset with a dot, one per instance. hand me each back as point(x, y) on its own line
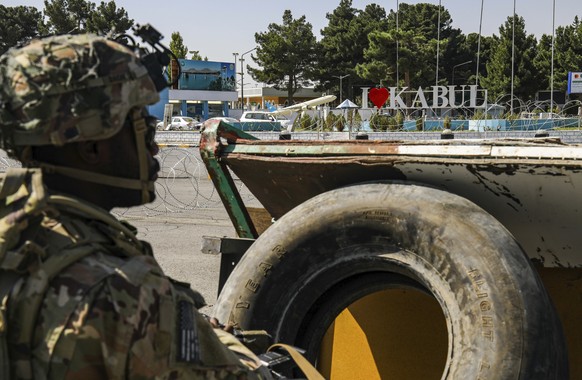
point(155, 61)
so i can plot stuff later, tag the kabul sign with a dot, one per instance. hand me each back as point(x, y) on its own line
point(463, 96)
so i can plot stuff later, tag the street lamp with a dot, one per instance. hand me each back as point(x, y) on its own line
point(242, 86)
point(340, 78)
point(454, 67)
point(479, 45)
point(397, 40)
point(235, 55)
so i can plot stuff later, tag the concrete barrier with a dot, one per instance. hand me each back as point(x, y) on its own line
point(188, 139)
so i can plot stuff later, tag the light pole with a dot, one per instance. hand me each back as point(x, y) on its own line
point(397, 41)
point(436, 81)
point(479, 44)
point(235, 55)
point(340, 78)
point(552, 69)
point(242, 86)
point(235, 81)
point(454, 67)
point(512, 55)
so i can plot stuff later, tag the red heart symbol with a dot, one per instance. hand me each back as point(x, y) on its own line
point(378, 96)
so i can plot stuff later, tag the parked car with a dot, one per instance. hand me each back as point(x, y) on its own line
point(255, 117)
point(179, 123)
point(226, 119)
point(230, 120)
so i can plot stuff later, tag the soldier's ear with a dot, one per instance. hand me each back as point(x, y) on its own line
point(89, 151)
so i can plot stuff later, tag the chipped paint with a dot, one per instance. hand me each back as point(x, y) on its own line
point(532, 187)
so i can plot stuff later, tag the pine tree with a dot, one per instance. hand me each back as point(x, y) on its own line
point(499, 68)
point(18, 24)
point(286, 53)
point(107, 17)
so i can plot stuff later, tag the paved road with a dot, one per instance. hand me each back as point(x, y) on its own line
point(177, 238)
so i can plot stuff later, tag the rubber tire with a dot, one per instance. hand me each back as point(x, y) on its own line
point(501, 323)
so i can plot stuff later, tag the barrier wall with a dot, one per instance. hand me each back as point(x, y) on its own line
point(187, 138)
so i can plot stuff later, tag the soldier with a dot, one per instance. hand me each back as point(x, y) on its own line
point(81, 296)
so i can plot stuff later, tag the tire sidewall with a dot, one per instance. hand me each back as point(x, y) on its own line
point(466, 259)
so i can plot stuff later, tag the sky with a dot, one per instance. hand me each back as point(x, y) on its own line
point(217, 29)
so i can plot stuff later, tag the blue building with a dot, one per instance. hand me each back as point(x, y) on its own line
point(204, 90)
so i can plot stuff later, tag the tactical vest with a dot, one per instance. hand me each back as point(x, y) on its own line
point(27, 268)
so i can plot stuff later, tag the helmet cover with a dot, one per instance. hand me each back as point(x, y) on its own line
point(69, 88)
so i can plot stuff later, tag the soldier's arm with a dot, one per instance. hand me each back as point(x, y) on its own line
point(136, 325)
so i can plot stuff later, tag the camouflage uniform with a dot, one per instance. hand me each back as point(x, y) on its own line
point(81, 296)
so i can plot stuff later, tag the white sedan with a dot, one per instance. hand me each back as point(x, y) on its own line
point(179, 123)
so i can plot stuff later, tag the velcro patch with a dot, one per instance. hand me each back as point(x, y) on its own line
point(188, 345)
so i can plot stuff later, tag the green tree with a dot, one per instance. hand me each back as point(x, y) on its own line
point(18, 24)
point(66, 16)
point(286, 54)
point(107, 17)
point(568, 52)
point(470, 50)
point(177, 46)
point(543, 61)
point(197, 57)
point(414, 45)
point(423, 20)
point(526, 78)
point(180, 50)
point(343, 42)
point(413, 53)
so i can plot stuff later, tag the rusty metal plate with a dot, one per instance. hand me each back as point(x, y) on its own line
point(534, 189)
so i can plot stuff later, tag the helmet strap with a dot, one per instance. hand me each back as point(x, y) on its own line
point(143, 183)
point(140, 128)
point(89, 176)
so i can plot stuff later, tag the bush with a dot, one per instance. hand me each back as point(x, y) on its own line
point(399, 120)
point(329, 122)
point(356, 121)
point(304, 123)
point(380, 123)
point(340, 123)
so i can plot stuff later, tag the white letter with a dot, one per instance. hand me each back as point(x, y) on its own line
point(365, 98)
point(473, 100)
point(396, 98)
point(420, 96)
point(436, 96)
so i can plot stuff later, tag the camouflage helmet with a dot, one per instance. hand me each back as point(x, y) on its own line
point(69, 88)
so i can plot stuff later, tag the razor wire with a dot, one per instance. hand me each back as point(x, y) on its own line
point(183, 184)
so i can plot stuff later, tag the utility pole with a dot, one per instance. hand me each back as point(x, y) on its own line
point(242, 73)
point(479, 45)
point(341, 87)
point(235, 55)
point(397, 41)
point(438, 46)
